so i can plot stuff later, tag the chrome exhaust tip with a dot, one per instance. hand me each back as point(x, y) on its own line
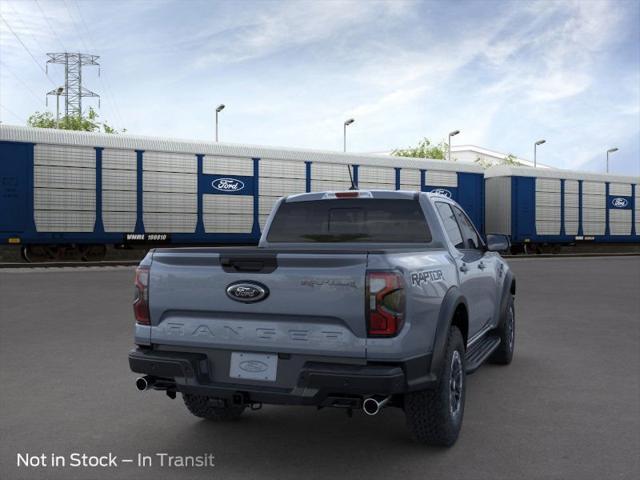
point(371, 406)
point(144, 383)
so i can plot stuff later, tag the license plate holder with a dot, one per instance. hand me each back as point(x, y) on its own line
point(254, 366)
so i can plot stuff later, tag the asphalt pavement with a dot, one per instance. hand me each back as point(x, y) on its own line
point(568, 407)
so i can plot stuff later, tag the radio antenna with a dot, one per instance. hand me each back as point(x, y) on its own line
point(353, 185)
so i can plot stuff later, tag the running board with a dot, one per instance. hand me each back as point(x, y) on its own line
point(480, 351)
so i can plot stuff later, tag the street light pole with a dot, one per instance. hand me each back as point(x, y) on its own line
point(611, 150)
point(218, 110)
point(344, 136)
point(451, 134)
point(58, 93)
point(535, 152)
point(344, 149)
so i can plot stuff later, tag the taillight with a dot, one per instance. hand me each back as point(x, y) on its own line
point(141, 299)
point(385, 303)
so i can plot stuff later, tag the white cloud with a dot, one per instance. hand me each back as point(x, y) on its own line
point(291, 72)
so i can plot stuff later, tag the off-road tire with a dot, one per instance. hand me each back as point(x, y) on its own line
point(429, 414)
point(209, 408)
point(507, 332)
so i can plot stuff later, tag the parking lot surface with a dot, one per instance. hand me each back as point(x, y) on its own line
point(567, 407)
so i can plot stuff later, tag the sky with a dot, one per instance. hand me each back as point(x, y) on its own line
point(504, 73)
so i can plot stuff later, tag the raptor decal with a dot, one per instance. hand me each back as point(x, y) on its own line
point(418, 278)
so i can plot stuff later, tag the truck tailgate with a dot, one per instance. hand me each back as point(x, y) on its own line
point(314, 305)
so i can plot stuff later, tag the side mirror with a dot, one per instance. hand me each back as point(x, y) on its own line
point(497, 242)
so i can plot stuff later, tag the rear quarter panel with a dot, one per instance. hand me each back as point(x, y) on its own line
point(428, 275)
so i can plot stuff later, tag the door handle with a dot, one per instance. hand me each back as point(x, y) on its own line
point(482, 266)
point(464, 268)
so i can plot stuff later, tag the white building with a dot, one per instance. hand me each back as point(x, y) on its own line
point(470, 153)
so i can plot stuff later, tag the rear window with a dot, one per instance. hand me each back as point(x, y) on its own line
point(350, 220)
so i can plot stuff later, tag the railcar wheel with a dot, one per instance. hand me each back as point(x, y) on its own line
point(93, 253)
point(36, 253)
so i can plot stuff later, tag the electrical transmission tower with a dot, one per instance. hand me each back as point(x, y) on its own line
point(73, 91)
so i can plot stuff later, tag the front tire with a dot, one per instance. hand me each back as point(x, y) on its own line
point(507, 333)
point(210, 408)
point(434, 416)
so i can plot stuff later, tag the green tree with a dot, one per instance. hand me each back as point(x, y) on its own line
point(88, 123)
point(424, 149)
point(510, 159)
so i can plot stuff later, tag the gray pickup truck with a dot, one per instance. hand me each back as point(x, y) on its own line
point(358, 300)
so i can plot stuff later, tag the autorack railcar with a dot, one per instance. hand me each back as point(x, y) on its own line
point(545, 208)
point(79, 191)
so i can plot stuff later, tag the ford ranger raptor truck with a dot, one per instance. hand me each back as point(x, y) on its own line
point(357, 300)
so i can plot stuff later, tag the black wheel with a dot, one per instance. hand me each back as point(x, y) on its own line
point(507, 333)
point(211, 408)
point(434, 416)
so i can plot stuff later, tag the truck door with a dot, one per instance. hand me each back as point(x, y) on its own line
point(475, 270)
point(485, 275)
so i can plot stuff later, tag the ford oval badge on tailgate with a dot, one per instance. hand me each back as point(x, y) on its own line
point(247, 292)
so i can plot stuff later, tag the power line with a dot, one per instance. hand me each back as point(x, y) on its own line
point(44, 15)
point(24, 27)
point(32, 92)
point(75, 27)
point(105, 82)
point(12, 113)
point(27, 49)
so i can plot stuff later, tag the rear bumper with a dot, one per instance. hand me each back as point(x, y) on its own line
point(318, 383)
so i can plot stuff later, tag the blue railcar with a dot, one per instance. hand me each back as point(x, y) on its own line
point(62, 190)
point(538, 207)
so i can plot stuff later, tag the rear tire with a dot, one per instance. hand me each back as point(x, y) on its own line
point(434, 416)
point(507, 333)
point(209, 407)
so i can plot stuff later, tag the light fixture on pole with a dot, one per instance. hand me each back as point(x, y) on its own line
point(218, 110)
point(611, 150)
point(535, 152)
point(344, 136)
point(59, 91)
point(451, 134)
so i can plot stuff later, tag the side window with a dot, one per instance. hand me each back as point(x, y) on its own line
point(471, 239)
point(450, 224)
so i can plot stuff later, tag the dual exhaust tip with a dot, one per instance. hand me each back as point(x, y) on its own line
point(371, 406)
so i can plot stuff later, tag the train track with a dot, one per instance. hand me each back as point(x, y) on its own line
point(104, 263)
point(132, 263)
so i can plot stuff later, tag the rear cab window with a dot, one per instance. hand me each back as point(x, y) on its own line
point(353, 220)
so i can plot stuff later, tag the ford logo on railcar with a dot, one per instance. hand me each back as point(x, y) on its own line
point(228, 184)
point(619, 202)
point(442, 191)
point(247, 292)
point(253, 366)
